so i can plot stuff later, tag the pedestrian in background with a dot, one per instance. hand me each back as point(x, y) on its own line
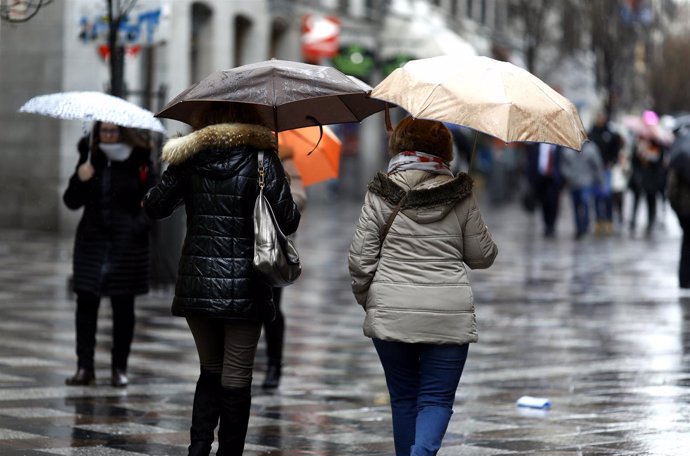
point(213, 172)
point(111, 248)
point(544, 175)
point(609, 144)
point(678, 192)
point(274, 330)
point(583, 174)
point(409, 274)
point(648, 176)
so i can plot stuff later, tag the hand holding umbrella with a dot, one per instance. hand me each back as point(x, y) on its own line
point(85, 171)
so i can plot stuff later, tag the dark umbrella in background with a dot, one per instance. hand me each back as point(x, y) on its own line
point(287, 95)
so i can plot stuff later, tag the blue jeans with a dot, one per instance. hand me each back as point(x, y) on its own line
point(580, 198)
point(422, 380)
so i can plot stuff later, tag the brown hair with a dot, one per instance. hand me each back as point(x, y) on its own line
point(132, 136)
point(218, 113)
point(428, 136)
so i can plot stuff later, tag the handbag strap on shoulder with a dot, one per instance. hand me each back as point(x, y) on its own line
point(391, 217)
point(394, 213)
point(262, 172)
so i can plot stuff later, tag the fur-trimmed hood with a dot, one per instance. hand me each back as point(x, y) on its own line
point(220, 136)
point(431, 196)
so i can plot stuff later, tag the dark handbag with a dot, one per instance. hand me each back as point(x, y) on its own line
point(275, 256)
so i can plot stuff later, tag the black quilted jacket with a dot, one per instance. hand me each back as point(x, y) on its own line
point(213, 172)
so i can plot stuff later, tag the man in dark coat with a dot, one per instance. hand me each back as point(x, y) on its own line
point(544, 176)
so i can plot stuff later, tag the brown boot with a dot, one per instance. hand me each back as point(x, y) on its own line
point(82, 377)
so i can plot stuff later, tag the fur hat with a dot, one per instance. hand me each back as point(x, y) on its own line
point(429, 136)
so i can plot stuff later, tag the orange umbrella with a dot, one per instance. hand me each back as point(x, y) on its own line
point(322, 163)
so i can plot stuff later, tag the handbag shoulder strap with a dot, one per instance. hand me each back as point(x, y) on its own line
point(262, 173)
point(391, 217)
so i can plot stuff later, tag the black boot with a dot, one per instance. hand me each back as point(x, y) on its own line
point(118, 378)
point(82, 377)
point(205, 413)
point(273, 373)
point(234, 419)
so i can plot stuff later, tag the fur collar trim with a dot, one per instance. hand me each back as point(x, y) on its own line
point(449, 192)
point(178, 150)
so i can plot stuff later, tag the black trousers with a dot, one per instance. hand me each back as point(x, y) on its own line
point(87, 324)
point(275, 331)
point(548, 192)
point(684, 266)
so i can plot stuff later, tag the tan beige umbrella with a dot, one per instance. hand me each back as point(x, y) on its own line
point(494, 97)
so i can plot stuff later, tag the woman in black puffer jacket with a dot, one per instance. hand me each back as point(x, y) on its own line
point(111, 249)
point(213, 172)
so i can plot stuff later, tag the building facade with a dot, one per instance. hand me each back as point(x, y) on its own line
point(170, 44)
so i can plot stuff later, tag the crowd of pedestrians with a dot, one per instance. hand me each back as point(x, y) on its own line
point(613, 165)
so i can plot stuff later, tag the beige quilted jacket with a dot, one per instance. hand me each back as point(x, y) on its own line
point(418, 289)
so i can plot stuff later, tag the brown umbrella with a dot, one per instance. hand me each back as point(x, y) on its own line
point(288, 95)
point(494, 97)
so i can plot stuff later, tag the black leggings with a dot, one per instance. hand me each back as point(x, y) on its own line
point(87, 323)
point(274, 331)
point(226, 347)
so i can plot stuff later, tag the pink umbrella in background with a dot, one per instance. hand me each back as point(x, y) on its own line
point(647, 126)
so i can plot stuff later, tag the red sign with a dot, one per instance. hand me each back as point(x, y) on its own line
point(320, 37)
point(104, 50)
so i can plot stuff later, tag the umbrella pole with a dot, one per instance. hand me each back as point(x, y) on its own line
point(275, 124)
point(91, 145)
point(474, 150)
point(387, 114)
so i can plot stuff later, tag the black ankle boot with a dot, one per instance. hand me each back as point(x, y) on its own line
point(205, 413)
point(273, 373)
point(82, 377)
point(118, 378)
point(234, 419)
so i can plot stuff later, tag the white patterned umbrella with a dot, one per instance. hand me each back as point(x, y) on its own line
point(93, 106)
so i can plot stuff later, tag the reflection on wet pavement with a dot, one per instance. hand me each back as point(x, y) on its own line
point(597, 326)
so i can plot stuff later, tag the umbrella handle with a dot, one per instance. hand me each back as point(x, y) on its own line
point(389, 126)
point(320, 133)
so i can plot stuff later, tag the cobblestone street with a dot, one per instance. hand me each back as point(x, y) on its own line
point(598, 326)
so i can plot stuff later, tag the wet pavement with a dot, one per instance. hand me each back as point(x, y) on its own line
point(597, 326)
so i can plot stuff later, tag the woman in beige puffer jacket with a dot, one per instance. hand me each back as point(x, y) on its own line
point(413, 284)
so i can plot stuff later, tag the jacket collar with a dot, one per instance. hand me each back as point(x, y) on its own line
point(219, 136)
point(450, 191)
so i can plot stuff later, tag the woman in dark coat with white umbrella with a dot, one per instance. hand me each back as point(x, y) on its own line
point(111, 249)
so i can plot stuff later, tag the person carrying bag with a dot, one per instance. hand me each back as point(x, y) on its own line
point(213, 172)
